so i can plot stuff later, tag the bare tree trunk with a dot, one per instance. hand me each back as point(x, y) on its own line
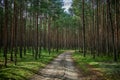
point(93, 29)
point(49, 34)
point(12, 38)
point(21, 28)
point(5, 30)
point(83, 24)
point(116, 25)
point(36, 49)
point(57, 42)
point(1, 29)
point(97, 27)
point(15, 26)
point(107, 31)
point(112, 29)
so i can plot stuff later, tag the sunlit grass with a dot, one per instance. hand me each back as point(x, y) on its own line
point(109, 69)
point(26, 67)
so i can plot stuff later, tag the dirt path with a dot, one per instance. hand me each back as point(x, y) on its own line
point(61, 68)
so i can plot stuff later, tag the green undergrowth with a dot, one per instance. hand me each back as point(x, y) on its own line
point(104, 65)
point(26, 67)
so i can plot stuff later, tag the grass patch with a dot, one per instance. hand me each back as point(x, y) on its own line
point(26, 67)
point(104, 65)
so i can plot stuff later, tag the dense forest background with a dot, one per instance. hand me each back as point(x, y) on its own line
point(31, 28)
point(90, 26)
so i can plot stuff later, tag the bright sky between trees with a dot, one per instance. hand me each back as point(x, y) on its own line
point(67, 5)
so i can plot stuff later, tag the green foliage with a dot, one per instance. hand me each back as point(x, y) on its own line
point(77, 7)
point(68, 21)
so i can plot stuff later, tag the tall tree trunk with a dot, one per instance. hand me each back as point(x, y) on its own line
point(15, 26)
point(107, 30)
point(112, 30)
point(1, 29)
point(36, 55)
point(83, 25)
point(93, 29)
point(5, 31)
point(116, 25)
point(97, 27)
point(21, 28)
point(12, 38)
point(57, 42)
point(49, 34)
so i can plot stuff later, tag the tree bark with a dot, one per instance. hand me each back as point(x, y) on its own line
point(83, 25)
point(5, 30)
point(112, 30)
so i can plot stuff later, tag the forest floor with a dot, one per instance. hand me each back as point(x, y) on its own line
point(63, 68)
point(99, 68)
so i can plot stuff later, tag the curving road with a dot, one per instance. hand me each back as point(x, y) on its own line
point(61, 68)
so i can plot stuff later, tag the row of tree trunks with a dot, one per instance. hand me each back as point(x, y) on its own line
point(100, 27)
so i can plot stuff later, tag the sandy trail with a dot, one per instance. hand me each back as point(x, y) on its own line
point(61, 68)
